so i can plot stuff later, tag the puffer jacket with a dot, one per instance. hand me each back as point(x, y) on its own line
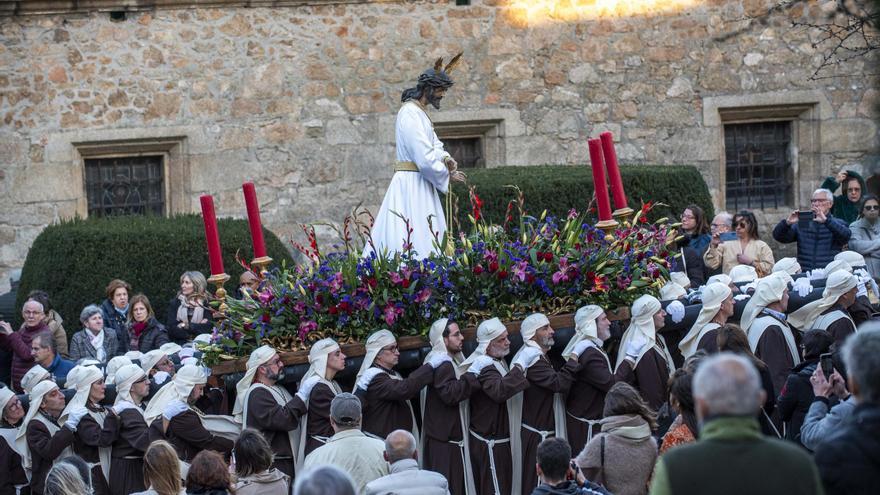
point(848, 459)
point(816, 245)
point(865, 240)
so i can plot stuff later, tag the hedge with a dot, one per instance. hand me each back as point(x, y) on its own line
point(558, 188)
point(73, 261)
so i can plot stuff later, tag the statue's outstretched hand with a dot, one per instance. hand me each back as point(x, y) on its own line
point(458, 176)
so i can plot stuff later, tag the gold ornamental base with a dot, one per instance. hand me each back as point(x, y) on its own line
point(608, 226)
point(218, 280)
point(623, 215)
point(260, 266)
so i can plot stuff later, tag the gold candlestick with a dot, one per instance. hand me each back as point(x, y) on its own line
point(218, 280)
point(261, 264)
point(608, 226)
point(623, 215)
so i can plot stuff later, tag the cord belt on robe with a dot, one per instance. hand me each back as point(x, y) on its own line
point(590, 423)
point(491, 444)
point(544, 434)
point(406, 167)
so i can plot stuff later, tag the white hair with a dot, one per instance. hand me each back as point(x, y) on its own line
point(323, 480)
point(729, 385)
point(861, 353)
point(828, 194)
point(400, 444)
point(725, 217)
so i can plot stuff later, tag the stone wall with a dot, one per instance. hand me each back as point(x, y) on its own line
point(301, 99)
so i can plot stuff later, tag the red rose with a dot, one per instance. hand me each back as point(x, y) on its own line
point(344, 306)
point(530, 279)
point(493, 266)
point(539, 255)
point(332, 310)
point(502, 274)
point(319, 299)
point(372, 282)
point(266, 318)
point(548, 256)
point(478, 270)
point(405, 283)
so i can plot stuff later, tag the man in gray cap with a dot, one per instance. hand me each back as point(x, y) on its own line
point(349, 448)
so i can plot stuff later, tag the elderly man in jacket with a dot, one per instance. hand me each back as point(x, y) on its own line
point(822, 238)
point(847, 459)
point(728, 395)
point(406, 477)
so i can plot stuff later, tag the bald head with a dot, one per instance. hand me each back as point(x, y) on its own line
point(399, 445)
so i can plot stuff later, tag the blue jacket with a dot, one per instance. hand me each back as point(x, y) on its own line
point(59, 369)
point(817, 245)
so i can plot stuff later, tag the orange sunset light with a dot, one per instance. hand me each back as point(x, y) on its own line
point(541, 11)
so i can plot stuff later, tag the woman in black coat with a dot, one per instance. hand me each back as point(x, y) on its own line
point(797, 393)
point(144, 331)
point(189, 314)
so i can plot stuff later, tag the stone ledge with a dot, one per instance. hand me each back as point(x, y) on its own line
point(44, 7)
point(713, 105)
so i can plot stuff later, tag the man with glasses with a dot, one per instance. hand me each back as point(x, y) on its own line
point(386, 395)
point(263, 404)
point(818, 240)
point(19, 343)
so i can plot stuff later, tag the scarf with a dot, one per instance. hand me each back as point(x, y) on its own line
point(374, 345)
point(585, 329)
point(642, 324)
point(187, 303)
point(179, 389)
point(258, 357)
point(97, 342)
point(137, 328)
point(318, 356)
point(768, 291)
point(837, 284)
point(127, 376)
point(713, 296)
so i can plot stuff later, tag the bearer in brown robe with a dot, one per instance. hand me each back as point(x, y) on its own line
point(265, 405)
point(133, 437)
point(770, 337)
point(496, 457)
point(384, 393)
point(40, 439)
point(325, 360)
point(717, 308)
point(830, 312)
point(172, 412)
point(445, 410)
point(543, 404)
point(92, 440)
point(586, 398)
point(653, 364)
point(11, 414)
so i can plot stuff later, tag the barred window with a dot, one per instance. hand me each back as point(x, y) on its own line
point(467, 151)
point(758, 165)
point(130, 185)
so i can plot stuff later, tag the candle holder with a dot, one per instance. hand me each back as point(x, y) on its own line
point(623, 215)
point(260, 265)
point(608, 226)
point(218, 280)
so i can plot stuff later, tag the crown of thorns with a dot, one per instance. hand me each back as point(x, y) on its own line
point(438, 76)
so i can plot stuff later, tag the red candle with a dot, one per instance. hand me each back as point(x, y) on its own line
point(212, 237)
point(613, 170)
point(253, 212)
point(599, 179)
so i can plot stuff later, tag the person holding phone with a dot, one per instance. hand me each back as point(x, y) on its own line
point(846, 205)
point(797, 394)
point(746, 249)
point(818, 240)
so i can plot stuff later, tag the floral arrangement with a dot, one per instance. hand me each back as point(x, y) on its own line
point(547, 264)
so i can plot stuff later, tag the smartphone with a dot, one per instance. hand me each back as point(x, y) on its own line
point(827, 365)
point(805, 217)
point(727, 236)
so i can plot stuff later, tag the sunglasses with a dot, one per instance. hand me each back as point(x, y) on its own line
point(872, 207)
point(742, 225)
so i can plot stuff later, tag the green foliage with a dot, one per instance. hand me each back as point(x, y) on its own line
point(74, 260)
point(558, 188)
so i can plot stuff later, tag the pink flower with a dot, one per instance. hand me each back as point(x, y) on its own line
point(559, 277)
point(423, 295)
point(299, 307)
point(266, 297)
point(519, 270)
point(306, 327)
point(572, 214)
point(395, 277)
point(490, 255)
point(391, 313)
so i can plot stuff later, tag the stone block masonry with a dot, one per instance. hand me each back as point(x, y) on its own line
point(300, 98)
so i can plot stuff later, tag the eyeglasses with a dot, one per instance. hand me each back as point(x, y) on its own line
point(872, 207)
point(854, 189)
point(742, 225)
point(818, 200)
point(392, 348)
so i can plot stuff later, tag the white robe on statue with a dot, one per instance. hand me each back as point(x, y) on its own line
point(413, 195)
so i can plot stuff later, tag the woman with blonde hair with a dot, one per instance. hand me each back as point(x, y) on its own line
point(69, 476)
point(161, 470)
point(188, 313)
